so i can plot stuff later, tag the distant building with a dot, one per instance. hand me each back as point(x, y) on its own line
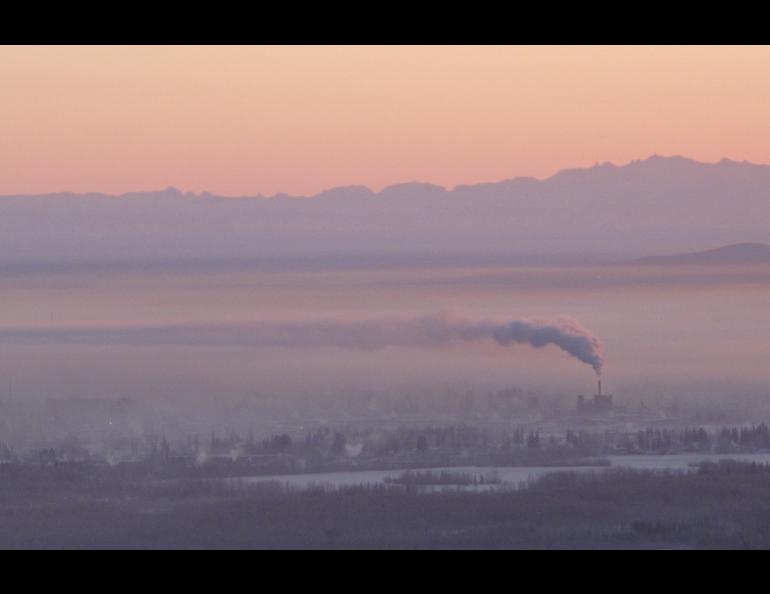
point(511, 401)
point(75, 414)
point(600, 404)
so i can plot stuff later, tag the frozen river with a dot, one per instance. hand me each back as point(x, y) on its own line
point(511, 477)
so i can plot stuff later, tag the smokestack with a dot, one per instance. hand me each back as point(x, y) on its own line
point(600, 386)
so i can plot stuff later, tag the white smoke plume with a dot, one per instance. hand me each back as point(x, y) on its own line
point(426, 332)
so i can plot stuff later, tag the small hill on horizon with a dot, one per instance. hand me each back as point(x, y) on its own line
point(733, 254)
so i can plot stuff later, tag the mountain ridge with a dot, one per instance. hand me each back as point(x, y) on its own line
point(350, 189)
point(655, 205)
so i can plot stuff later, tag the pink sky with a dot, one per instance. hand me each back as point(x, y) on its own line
point(245, 120)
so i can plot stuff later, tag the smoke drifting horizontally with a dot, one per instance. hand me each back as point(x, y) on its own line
point(566, 334)
point(426, 332)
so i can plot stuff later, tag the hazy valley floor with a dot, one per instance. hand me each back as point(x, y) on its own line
point(720, 506)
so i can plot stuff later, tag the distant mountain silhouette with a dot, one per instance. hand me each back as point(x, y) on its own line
point(658, 204)
point(738, 253)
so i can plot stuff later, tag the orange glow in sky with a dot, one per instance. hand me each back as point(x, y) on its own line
point(247, 120)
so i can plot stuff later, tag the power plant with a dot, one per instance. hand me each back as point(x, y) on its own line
point(600, 404)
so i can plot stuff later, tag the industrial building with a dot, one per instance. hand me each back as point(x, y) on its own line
point(600, 404)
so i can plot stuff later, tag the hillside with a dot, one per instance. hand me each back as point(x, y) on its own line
point(735, 254)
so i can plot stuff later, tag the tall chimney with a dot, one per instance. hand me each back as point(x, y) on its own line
point(600, 387)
